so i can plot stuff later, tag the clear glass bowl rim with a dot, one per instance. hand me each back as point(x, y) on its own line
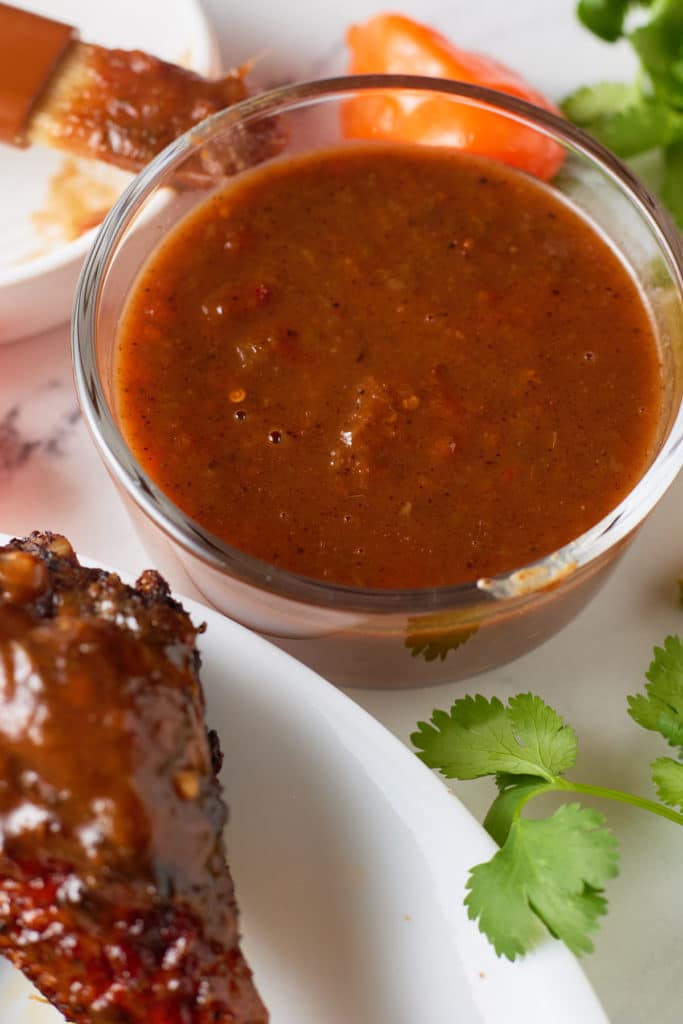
point(566, 561)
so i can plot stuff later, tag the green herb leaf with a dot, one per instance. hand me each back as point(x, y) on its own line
point(672, 185)
point(668, 778)
point(646, 117)
point(435, 636)
point(552, 870)
point(662, 709)
point(509, 803)
point(659, 44)
point(592, 103)
point(549, 870)
point(644, 124)
point(604, 17)
point(640, 124)
point(480, 737)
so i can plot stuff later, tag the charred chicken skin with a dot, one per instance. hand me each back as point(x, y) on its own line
point(115, 897)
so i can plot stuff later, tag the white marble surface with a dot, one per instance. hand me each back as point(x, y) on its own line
point(51, 478)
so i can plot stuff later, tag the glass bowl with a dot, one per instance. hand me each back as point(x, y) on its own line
point(355, 636)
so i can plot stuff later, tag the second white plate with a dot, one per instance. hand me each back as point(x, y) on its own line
point(45, 196)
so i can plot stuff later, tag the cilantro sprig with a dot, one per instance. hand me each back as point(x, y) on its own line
point(645, 115)
point(549, 871)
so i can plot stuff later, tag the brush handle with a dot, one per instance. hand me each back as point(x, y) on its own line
point(31, 47)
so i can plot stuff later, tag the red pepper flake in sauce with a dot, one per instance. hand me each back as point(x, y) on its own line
point(461, 377)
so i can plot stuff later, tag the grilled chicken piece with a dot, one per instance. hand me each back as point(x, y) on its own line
point(115, 897)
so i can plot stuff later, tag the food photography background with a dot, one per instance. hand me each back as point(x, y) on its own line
point(52, 478)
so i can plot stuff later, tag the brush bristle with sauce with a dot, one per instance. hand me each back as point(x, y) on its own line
point(118, 106)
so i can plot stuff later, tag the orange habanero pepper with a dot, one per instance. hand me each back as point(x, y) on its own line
point(395, 44)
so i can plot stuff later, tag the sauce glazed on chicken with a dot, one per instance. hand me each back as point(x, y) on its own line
point(115, 896)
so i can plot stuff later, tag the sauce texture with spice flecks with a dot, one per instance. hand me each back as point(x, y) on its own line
point(389, 366)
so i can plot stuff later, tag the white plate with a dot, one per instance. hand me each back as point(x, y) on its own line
point(39, 264)
point(350, 860)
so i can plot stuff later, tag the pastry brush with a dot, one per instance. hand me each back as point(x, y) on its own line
point(118, 106)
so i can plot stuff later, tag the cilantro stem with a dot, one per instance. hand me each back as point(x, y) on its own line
point(560, 785)
point(616, 794)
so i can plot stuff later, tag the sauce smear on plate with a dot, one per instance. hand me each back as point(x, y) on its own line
point(389, 366)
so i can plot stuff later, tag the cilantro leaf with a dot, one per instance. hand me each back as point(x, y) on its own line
point(592, 103)
point(662, 709)
point(647, 116)
point(668, 778)
point(659, 44)
point(552, 870)
point(625, 120)
point(481, 737)
point(672, 185)
point(507, 805)
point(604, 17)
point(643, 124)
point(435, 636)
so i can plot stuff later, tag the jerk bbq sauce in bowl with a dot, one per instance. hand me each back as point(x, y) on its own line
point(397, 407)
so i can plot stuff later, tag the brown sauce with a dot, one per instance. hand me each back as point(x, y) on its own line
point(97, 686)
point(389, 367)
